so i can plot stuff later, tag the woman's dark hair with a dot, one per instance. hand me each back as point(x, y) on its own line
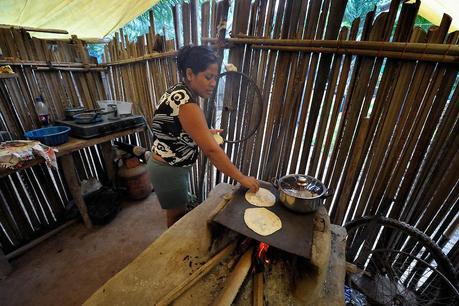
point(197, 58)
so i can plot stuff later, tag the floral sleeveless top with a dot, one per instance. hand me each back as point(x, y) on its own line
point(170, 141)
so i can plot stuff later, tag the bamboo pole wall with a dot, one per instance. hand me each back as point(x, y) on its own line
point(373, 118)
point(378, 127)
point(34, 201)
point(372, 113)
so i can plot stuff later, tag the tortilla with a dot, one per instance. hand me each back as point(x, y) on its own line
point(219, 139)
point(262, 198)
point(262, 221)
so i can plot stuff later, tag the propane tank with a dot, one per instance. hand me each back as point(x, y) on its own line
point(135, 177)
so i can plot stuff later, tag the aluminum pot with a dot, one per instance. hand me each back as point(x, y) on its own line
point(301, 193)
point(72, 111)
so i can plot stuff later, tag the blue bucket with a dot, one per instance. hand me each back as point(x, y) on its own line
point(50, 136)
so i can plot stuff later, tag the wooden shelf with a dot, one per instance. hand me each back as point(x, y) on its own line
point(8, 75)
point(72, 145)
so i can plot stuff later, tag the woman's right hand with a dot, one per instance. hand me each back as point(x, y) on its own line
point(250, 182)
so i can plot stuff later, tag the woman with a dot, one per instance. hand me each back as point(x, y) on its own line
point(180, 129)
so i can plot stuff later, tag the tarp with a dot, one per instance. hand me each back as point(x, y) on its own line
point(433, 11)
point(98, 18)
point(84, 18)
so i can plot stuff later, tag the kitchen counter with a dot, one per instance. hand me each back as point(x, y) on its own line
point(68, 165)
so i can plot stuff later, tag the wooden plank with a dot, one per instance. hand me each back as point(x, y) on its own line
point(194, 5)
point(186, 19)
point(20, 44)
point(205, 19)
point(376, 163)
point(33, 29)
point(331, 106)
point(9, 222)
point(9, 110)
point(74, 186)
point(6, 51)
point(11, 44)
point(176, 18)
point(256, 73)
point(283, 140)
point(244, 101)
point(279, 80)
point(195, 276)
point(23, 218)
point(396, 106)
point(235, 280)
point(213, 16)
point(335, 120)
point(309, 70)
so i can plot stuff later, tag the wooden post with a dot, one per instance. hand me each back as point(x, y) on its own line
point(197, 275)
point(235, 280)
point(258, 287)
point(68, 167)
point(108, 160)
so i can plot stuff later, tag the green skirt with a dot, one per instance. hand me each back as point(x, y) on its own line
point(171, 184)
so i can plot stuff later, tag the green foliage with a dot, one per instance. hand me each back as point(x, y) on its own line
point(96, 50)
point(359, 8)
point(422, 22)
point(164, 24)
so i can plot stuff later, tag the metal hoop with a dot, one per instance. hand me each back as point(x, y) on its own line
point(258, 94)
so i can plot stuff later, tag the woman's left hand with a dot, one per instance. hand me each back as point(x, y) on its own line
point(215, 131)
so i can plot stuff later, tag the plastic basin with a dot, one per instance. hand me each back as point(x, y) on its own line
point(50, 136)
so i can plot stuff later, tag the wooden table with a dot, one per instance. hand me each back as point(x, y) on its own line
point(68, 165)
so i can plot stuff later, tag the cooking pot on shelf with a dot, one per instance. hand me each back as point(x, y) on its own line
point(95, 115)
point(71, 111)
point(88, 117)
point(301, 193)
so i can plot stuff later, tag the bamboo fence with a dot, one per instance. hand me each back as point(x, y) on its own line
point(371, 110)
point(374, 118)
point(36, 200)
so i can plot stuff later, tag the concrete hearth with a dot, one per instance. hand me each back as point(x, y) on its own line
point(183, 248)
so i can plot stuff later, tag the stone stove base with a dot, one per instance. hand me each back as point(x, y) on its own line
point(183, 248)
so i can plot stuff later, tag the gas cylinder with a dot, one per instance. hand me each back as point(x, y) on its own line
point(134, 176)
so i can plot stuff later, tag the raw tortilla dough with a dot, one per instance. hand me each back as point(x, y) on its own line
point(262, 221)
point(262, 198)
point(218, 138)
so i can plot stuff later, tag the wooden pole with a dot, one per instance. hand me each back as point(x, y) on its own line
point(47, 64)
point(32, 29)
point(235, 280)
point(68, 166)
point(373, 53)
point(197, 275)
point(41, 68)
point(403, 47)
point(258, 288)
point(143, 58)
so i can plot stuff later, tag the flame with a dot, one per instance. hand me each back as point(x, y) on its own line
point(262, 250)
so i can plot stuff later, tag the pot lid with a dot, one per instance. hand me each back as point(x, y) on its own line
point(301, 186)
point(73, 109)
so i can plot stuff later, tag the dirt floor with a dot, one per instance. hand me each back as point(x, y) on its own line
point(68, 267)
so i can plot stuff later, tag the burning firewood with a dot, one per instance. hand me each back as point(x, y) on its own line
point(196, 276)
point(235, 280)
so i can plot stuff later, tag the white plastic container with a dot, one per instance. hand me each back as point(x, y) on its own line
point(124, 108)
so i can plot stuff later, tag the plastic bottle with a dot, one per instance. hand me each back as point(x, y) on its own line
point(42, 111)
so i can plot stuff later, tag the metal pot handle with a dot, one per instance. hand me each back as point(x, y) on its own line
point(274, 182)
point(327, 193)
